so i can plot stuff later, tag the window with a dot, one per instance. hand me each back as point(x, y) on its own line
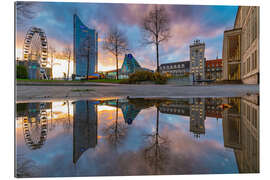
point(254, 24)
point(248, 65)
point(252, 61)
point(248, 112)
point(255, 59)
point(254, 117)
point(244, 68)
point(244, 109)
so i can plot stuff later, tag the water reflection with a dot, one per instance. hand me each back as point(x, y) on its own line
point(138, 136)
point(84, 127)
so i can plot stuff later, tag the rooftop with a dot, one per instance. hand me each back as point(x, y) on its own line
point(173, 63)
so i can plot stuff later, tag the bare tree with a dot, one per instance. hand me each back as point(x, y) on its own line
point(52, 52)
point(67, 54)
point(155, 154)
point(116, 43)
point(116, 132)
point(156, 29)
point(25, 10)
point(86, 50)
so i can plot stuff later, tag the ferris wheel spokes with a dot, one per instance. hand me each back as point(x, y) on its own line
point(36, 49)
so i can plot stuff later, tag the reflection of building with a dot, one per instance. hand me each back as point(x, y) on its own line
point(213, 69)
point(176, 68)
point(129, 111)
point(248, 157)
point(179, 107)
point(232, 124)
point(84, 127)
point(212, 107)
point(197, 116)
point(197, 60)
point(241, 132)
point(35, 123)
point(85, 43)
point(241, 46)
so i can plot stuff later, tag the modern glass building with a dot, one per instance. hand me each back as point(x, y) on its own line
point(129, 66)
point(85, 44)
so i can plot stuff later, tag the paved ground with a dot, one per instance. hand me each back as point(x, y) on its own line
point(98, 90)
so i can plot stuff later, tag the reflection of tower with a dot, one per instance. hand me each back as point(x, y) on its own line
point(129, 112)
point(197, 117)
point(243, 137)
point(35, 124)
point(84, 127)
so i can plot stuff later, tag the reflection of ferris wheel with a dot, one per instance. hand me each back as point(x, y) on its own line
point(35, 131)
point(36, 48)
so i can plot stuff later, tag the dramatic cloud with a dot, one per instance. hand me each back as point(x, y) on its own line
point(187, 23)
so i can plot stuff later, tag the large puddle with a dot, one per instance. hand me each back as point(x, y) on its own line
point(138, 137)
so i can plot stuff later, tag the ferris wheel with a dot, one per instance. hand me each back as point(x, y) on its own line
point(35, 48)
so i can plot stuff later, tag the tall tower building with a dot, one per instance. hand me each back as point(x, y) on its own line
point(197, 60)
point(85, 47)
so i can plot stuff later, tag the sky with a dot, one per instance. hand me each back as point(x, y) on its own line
point(187, 23)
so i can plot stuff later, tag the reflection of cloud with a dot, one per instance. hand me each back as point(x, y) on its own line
point(184, 153)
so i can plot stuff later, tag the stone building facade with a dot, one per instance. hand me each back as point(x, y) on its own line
point(180, 68)
point(213, 69)
point(241, 47)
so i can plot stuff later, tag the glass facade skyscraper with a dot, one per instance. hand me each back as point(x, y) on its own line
point(85, 44)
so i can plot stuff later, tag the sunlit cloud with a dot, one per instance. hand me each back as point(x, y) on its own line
point(187, 23)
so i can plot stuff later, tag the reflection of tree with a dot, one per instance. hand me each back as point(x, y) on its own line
point(25, 167)
point(155, 153)
point(116, 131)
point(67, 125)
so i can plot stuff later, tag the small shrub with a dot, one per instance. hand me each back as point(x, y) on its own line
point(124, 81)
point(21, 72)
point(160, 78)
point(140, 76)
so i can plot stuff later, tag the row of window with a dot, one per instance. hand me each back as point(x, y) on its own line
point(172, 66)
point(250, 30)
point(176, 71)
point(251, 63)
point(251, 114)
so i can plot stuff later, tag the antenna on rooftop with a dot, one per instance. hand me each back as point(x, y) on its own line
point(217, 51)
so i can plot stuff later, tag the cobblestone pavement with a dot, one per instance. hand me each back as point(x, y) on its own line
point(90, 91)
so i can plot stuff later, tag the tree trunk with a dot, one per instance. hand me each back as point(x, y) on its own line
point(157, 58)
point(52, 67)
point(116, 66)
point(68, 67)
point(87, 72)
point(116, 123)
